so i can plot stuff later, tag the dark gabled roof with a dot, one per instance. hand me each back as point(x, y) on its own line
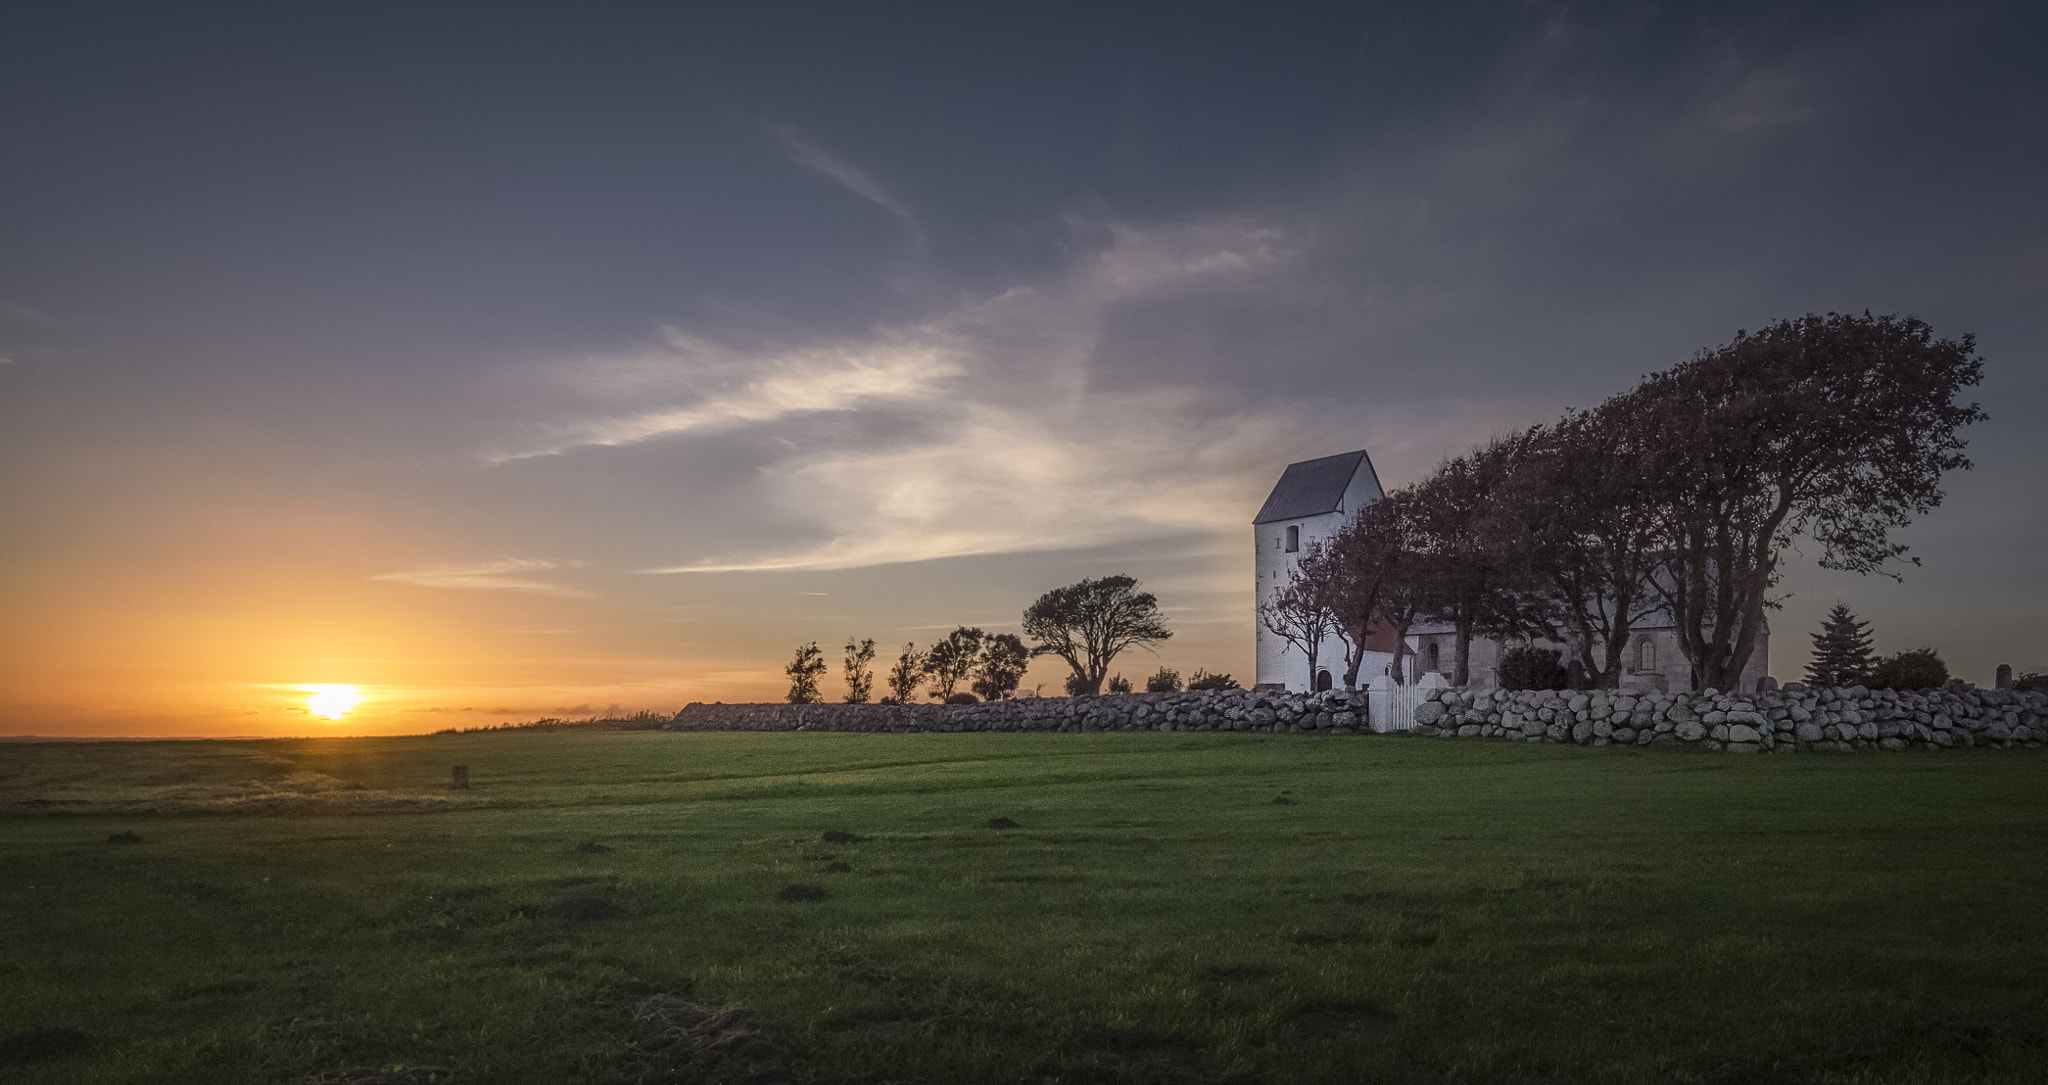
point(1311, 487)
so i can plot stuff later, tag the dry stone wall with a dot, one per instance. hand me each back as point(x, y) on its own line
point(1794, 718)
point(1334, 712)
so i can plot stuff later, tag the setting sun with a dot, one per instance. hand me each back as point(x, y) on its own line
point(333, 702)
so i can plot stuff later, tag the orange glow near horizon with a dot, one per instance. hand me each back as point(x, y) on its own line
point(332, 701)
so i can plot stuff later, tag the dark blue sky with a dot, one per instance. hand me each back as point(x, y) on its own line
point(443, 325)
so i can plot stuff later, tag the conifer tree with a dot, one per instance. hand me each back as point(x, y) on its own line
point(1841, 650)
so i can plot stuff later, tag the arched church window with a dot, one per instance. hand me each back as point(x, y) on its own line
point(1293, 538)
point(1322, 681)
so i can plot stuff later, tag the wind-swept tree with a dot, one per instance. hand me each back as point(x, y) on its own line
point(1841, 650)
point(951, 659)
point(906, 675)
point(804, 672)
point(1835, 428)
point(1001, 666)
point(860, 675)
point(1471, 555)
point(1089, 623)
point(1579, 502)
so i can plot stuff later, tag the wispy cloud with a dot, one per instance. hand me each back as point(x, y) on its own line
point(855, 179)
point(505, 574)
point(775, 385)
point(1007, 435)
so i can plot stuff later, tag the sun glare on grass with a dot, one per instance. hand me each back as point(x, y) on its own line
point(333, 702)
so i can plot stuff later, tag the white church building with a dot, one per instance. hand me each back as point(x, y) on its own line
point(1312, 500)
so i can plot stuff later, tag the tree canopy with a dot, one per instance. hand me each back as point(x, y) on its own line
point(1089, 623)
point(1674, 499)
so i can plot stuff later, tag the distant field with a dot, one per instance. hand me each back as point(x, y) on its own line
point(1414, 911)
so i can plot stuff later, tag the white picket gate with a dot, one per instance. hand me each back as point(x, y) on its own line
point(1392, 708)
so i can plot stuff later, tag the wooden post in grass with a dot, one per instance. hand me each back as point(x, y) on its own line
point(461, 778)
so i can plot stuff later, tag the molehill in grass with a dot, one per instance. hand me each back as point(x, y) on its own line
point(592, 847)
point(802, 893)
point(836, 836)
point(586, 910)
point(838, 868)
point(1001, 823)
point(37, 1044)
point(125, 838)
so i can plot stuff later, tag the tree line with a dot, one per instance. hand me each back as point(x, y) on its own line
point(1085, 625)
point(1677, 497)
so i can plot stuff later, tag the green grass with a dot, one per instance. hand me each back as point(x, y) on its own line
point(1419, 911)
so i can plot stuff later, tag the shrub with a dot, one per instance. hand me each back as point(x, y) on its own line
point(1166, 681)
point(1530, 667)
point(1920, 668)
point(962, 698)
point(2030, 681)
point(1205, 680)
point(1119, 684)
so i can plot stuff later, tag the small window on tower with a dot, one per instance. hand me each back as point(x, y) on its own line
point(1646, 655)
point(1293, 538)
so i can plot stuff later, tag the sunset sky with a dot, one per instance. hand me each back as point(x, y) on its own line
point(504, 361)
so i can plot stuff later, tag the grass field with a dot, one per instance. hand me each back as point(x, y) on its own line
point(1414, 911)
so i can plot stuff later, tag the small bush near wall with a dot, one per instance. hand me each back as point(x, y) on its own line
point(1530, 667)
point(1917, 669)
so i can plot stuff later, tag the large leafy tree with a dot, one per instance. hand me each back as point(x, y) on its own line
point(1578, 504)
point(1836, 429)
point(1841, 650)
point(951, 659)
point(1089, 623)
point(1001, 666)
point(1472, 551)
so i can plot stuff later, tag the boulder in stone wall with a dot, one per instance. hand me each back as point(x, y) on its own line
point(1691, 731)
point(1808, 732)
point(1582, 732)
point(1429, 712)
point(1718, 732)
point(1470, 730)
point(1998, 732)
point(1344, 719)
point(1867, 732)
point(1891, 744)
point(1624, 734)
point(1742, 732)
point(1602, 729)
point(1680, 712)
point(1556, 733)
